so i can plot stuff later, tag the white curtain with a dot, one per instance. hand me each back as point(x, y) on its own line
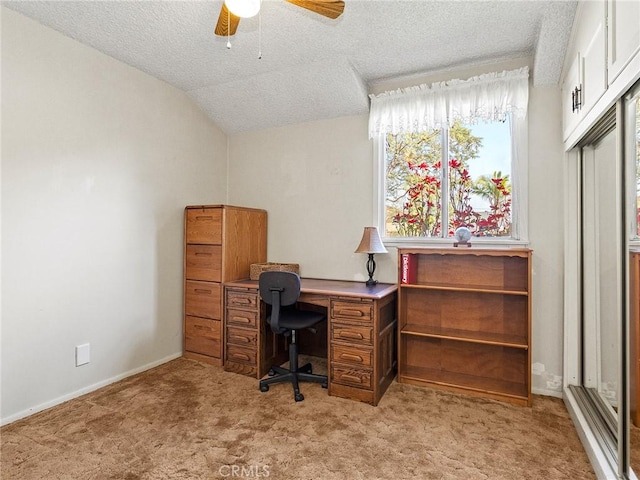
point(488, 97)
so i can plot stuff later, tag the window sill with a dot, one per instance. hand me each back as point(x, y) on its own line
point(443, 242)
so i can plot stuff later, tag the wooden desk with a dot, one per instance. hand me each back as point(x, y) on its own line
point(361, 334)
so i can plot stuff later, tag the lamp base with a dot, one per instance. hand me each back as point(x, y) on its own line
point(371, 268)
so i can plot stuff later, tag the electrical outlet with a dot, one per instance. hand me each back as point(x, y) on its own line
point(83, 354)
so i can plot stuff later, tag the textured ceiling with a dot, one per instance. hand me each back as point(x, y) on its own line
point(311, 67)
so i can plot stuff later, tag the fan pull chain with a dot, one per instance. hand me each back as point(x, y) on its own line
point(260, 32)
point(228, 28)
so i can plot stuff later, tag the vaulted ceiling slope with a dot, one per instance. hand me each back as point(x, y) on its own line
point(311, 67)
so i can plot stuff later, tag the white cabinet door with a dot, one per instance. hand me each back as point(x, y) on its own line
point(592, 47)
point(623, 34)
point(570, 111)
point(586, 76)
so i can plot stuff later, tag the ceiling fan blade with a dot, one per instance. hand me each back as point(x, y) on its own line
point(227, 22)
point(327, 8)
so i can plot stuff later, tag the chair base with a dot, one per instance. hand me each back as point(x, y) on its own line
point(301, 374)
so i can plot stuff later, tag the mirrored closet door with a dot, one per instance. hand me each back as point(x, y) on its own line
point(601, 284)
point(631, 154)
point(602, 268)
point(602, 334)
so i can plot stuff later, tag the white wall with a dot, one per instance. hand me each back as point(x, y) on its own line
point(98, 162)
point(316, 181)
point(546, 237)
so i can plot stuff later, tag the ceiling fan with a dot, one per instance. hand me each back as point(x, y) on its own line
point(233, 10)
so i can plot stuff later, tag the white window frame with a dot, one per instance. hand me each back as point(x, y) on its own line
point(519, 185)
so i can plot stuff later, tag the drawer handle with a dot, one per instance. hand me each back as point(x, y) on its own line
point(349, 356)
point(349, 312)
point(202, 327)
point(203, 254)
point(241, 319)
point(240, 338)
point(351, 378)
point(204, 217)
point(201, 290)
point(352, 335)
point(241, 356)
point(241, 301)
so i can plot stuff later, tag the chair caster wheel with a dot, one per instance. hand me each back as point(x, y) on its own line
point(325, 385)
point(272, 372)
point(264, 388)
point(298, 397)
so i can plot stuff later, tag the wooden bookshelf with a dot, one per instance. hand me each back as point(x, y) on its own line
point(465, 321)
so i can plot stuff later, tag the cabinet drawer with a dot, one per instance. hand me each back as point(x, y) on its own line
point(355, 377)
point(204, 262)
point(242, 299)
point(202, 299)
point(351, 355)
point(242, 336)
point(202, 336)
point(352, 334)
point(204, 225)
point(351, 311)
point(243, 318)
point(241, 354)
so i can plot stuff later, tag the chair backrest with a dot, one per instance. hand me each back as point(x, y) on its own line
point(286, 284)
point(278, 289)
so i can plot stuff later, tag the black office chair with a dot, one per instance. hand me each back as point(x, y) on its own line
point(282, 289)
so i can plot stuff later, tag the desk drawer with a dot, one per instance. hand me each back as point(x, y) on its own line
point(241, 354)
point(351, 311)
point(202, 299)
point(352, 334)
point(204, 262)
point(242, 318)
point(204, 226)
point(351, 355)
point(202, 336)
point(242, 336)
point(355, 377)
point(242, 299)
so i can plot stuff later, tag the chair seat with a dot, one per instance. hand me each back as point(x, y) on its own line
point(299, 319)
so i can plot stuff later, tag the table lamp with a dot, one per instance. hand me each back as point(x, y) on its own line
point(371, 243)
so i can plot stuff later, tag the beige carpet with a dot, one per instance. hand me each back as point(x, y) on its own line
point(186, 420)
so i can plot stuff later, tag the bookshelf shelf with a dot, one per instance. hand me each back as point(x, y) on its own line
point(464, 321)
point(489, 338)
point(469, 288)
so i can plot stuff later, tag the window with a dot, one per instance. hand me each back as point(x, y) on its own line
point(449, 155)
point(455, 176)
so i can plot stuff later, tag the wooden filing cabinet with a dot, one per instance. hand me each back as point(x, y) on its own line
point(220, 244)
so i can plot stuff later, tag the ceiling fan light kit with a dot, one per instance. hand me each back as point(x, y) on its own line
point(233, 10)
point(243, 8)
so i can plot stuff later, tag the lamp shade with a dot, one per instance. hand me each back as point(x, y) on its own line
point(243, 8)
point(371, 242)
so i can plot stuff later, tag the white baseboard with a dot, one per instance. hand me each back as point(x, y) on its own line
point(85, 390)
point(548, 393)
